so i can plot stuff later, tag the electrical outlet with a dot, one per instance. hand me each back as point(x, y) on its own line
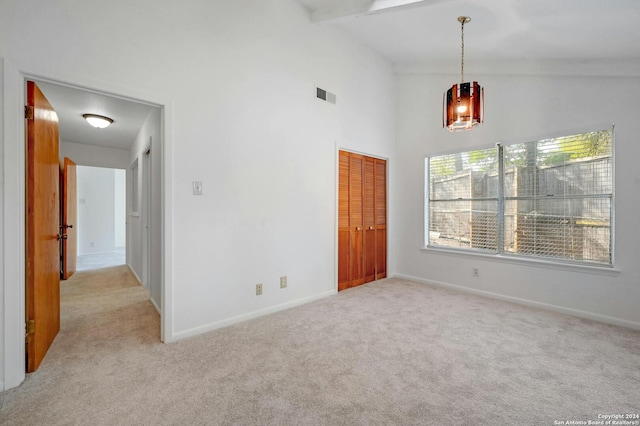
point(283, 281)
point(258, 289)
point(476, 272)
point(197, 188)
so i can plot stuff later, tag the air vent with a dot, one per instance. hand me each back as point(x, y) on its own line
point(325, 96)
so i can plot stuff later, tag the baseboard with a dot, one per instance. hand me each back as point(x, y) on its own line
point(245, 317)
point(153, 302)
point(134, 274)
point(532, 303)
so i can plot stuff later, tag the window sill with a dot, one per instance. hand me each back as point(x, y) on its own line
point(501, 258)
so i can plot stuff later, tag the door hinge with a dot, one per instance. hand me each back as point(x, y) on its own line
point(31, 327)
point(28, 112)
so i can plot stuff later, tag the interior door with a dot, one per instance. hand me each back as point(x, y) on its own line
point(344, 244)
point(42, 226)
point(369, 211)
point(146, 218)
point(362, 219)
point(381, 219)
point(68, 226)
point(356, 219)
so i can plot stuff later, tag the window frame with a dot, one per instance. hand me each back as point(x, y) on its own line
point(500, 253)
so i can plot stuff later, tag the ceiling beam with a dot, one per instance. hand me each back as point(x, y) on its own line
point(343, 10)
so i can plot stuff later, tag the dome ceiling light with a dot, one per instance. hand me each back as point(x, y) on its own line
point(98, 121)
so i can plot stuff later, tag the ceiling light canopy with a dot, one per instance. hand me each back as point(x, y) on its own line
point(463, 104)
point(98, 121)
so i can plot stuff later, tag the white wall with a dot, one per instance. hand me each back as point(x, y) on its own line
point(5, 317)
point(237, 80)
point(96, 213)
point(120, 209)
point(523, 108)
point(96, 156)
point(148, 136)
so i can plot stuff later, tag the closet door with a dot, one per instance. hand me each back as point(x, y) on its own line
point(344, 244)
point(381, 219)
point(369, 218)
point(362, 219)
point(356, 219)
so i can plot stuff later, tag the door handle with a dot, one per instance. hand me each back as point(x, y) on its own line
point(358, 228)
point(62, 237)
point(65, 226)
point(370, 228)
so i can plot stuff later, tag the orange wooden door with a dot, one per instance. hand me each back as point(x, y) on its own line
point(68, 226)
point(380, 219)
point(344, 243)
point(362, 242)
point(43, 252)
point(369, 211)
point(356, 219)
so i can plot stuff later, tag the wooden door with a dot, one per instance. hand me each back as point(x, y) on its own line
point(344, 242)
point(369, 211)
point(362, 245)
point(69, 211)
point(356, 219)
point(42, 227)
point(380, 219)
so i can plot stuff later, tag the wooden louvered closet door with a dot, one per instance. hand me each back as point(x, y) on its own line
point(362, 211)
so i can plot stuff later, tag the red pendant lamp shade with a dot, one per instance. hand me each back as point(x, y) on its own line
point(463, 104)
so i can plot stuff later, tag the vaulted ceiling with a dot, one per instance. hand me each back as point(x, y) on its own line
point(424, 33)
point(411, 31)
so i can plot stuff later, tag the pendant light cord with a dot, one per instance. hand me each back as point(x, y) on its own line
point(462, 56)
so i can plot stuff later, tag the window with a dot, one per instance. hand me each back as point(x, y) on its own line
point(551, 199)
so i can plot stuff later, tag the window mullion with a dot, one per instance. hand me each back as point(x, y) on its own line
point(500, 230)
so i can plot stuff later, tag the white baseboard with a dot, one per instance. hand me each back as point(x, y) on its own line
point(134, 274)
point(245, 317)
point(153, 302)
point(532, 303)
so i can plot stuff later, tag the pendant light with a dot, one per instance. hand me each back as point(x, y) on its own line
point(463, 104)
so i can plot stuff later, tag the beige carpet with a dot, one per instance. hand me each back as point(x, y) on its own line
point(387, 353)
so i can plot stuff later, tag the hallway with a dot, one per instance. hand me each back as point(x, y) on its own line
point(106, 317)
point(87, 262)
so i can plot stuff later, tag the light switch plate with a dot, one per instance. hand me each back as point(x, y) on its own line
point(197, 188)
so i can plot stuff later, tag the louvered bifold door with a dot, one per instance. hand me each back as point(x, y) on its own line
point(369, 218)
point(356, 222)
point(380, 219)
point(344, 246)
point(362, 219)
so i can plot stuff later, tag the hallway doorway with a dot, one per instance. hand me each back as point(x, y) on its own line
point(101, 217)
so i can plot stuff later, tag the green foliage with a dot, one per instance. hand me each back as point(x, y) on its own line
point(484, 160)
point(442, 166)
point(558, 151)
point(588, 144)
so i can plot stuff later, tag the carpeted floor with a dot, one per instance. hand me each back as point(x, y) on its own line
point(391, 352)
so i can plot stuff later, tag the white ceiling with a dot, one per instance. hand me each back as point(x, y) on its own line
point(410, 31)
point(71, 103)
point(415, 32)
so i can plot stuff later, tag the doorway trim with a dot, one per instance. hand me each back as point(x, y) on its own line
point(12, 251)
